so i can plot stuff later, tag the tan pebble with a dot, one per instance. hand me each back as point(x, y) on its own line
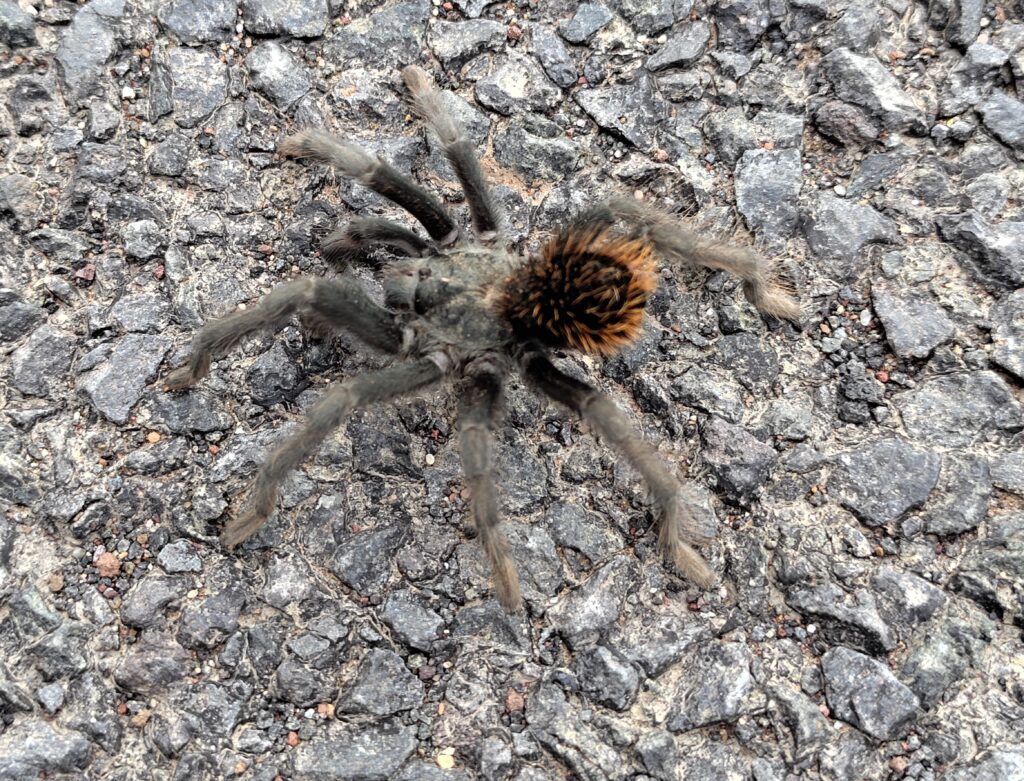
point(153, 437)
point(108, 565)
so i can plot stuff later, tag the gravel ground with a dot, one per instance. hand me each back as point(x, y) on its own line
point(864, 478)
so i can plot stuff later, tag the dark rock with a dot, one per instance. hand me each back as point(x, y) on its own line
point(31, 615)
point(939, 659)
point(709, 393)
point(649, 16)
point(837, 230)
point(960, 18)
point(282, 17)
point(118, 383)
point(278, 74)
point(170, 156)
point(961, 497)
point(683, 49)
point(143, 239)
point(217, 707)
point(144, 605)
point(852, 619)
point(289, 581)
point(411, 621)
point(767, 187)
point(391, 35)
point(144, 312)
point(152, 665)
point(104, 120)
point(865, 82)
point(274, 377)
point(515, 85)
point(717, 690)
point(301, 686)
point(865, 693)
point(741, 23)
point(17, 28)
point(198, 83)
point(179, 556)
point(89, 43)
point(584, 24)
point(535, 156)
point(383, 685)
point(188, 413)
point(746, 357)
point(993, 765)
point(732, 133)
point(51, 697)
point(883, 482)
point(992, 573)
point(487, 625)
point(540, 571)
point(575, 528)
point(632, 111)
point(1008, 472)
point(557, 725)
point(955, 410)
point(553, 56)
point(41, 363)
point(61, 653)
point(913, 598)
point(207, 624)
point(849, 125)
point(810, 729)
point(453, 43)
point(1004, 116)
point(914, 325)
point(739, 462)
point(657, 751)
point(352, 753)
point(32, 747)
point(972, 80)
point(606, 677)
point(19, 197)
point(859, 28)
point(363, 562)
point(590, 610)
point(198, 21)
point(996, 251)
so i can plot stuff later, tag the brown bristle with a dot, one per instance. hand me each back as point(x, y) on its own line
point(586, 290)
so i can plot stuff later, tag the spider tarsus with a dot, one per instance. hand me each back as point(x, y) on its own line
point(182, 379)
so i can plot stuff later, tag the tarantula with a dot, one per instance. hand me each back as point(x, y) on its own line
point(465, 308)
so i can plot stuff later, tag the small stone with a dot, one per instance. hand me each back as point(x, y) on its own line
point(32, 747)
point(865, 693)
point(454, 43)
point(198, 21)
point(198, 83)
point(631, 111)
point(606, 677)
point(588, 611)
point(838, 230)
point(373, 752)
point(961, 497)
point(179, 556)
point(411, 621)
point(383, 686)
point(517, 84)
point(116, 385)
point(1004, 116)
point(716, 691)
point(86, 47)
point(956, 410)
point(914, 325)
point(17, 28)
point(864, 82)
point(584, 24)
point(152, 665)
point(107, 565)
point(41, 363)
point(282, 17)
point(851, 619)
point(278, 74)
point(768, 185)
point(739, 461)
point(995, 252)
point(683, 49)
point(881, 483)
point(393, 34)
point(553, 56)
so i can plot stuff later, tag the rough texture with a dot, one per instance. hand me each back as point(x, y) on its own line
point(860, 481)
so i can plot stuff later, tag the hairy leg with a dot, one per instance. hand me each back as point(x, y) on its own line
point(326, 415)
point(677, 525)
point(351, 242)
point(334, 303)
point(675, 242)
point(457, 148)
point(378, 175)
point(475, 421)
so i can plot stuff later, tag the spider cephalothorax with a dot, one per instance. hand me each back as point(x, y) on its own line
point(460, 308)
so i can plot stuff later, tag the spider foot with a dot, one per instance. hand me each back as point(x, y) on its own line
point(242, 527)
point(182, 379)
point(675, 522)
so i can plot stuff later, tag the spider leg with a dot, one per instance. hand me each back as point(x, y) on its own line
point(457, 148)
point(337, 303)
point(351, 242)
point(475, 421)
point(675, 242)
point(677, 524)
point(326, 415)
point(378, 175)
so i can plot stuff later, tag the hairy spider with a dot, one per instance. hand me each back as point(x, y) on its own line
point(461, 308)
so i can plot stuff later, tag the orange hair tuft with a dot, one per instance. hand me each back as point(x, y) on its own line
point(587, 290)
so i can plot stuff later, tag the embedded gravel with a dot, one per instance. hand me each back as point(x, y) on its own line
point(861, 480)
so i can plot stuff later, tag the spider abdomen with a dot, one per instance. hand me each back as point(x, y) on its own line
point(586, 291)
